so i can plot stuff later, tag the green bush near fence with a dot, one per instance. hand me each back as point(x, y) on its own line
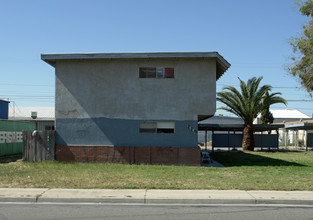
point(11, 136)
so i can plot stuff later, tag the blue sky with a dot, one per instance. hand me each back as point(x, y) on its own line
point(250, 34)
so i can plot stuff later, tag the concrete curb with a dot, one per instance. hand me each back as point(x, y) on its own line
point(141, 196)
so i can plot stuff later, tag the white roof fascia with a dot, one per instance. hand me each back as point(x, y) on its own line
point(52, 58)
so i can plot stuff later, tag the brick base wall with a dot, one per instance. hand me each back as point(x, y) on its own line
point(130, 155)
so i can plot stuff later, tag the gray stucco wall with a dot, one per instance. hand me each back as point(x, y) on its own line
point(101, 102)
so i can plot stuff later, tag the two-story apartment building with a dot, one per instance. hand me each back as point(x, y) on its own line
point(133, 107)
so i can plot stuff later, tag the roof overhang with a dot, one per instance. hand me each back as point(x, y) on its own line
point(31, 119)
point(221, 66)
point(3, 100)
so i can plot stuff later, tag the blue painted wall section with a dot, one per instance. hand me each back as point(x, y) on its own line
point(4, 109)
point(121, 132)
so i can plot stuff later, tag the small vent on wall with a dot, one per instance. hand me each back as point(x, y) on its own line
point(34, 115)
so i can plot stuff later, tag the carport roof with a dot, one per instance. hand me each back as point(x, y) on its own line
point(237, 127)
point(222, 64)
point(304, 125)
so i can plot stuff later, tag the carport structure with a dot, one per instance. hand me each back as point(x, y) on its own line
point(234, 135)
point(307, 127)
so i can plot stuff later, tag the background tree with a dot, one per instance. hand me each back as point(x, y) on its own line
point(302, 61)
point(247, 104)
point(266, 115)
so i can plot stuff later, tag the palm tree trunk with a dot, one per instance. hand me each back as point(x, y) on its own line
point(248, 139)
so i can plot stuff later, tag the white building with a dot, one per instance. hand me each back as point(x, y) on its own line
point(284, 115)
point(43, 116)
point(287, 137)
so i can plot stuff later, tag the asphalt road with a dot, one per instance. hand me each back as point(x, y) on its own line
point(36, 211)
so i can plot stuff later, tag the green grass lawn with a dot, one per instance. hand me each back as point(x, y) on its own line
point(245, 171)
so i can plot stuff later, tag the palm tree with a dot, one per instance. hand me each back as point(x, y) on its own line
point(247, 105)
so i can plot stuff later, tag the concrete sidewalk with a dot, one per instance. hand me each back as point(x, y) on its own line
point(141, 196)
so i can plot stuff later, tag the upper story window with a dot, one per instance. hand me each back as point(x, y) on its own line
point(156, 72)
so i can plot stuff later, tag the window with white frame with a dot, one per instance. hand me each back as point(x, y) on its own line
point(156, 72)
point(157, 127)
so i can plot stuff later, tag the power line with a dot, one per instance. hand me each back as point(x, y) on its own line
point(11, 84)
point(292, 108)
point(297, 100)
point(39, 101)
point(300, 100)
point(274, 87)
point(23, 92)
point(39, 96)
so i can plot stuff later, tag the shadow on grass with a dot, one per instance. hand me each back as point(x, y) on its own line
point(232, 159)
point(10, 159)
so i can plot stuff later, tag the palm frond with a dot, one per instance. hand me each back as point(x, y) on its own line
point(249, 101)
